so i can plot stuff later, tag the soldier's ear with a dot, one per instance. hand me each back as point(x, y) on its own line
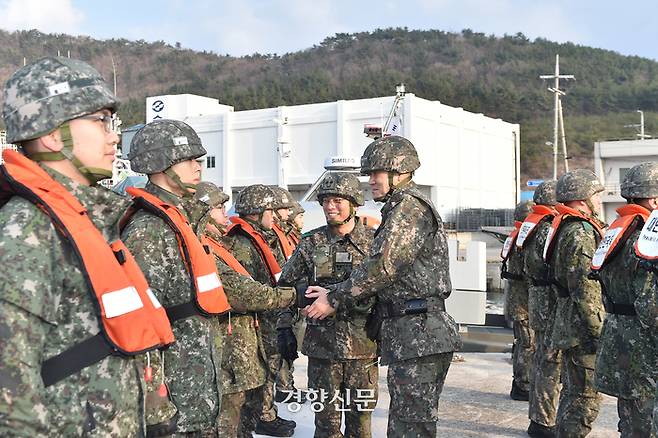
point(52, 141)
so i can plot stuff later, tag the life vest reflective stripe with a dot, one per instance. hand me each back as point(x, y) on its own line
point(207, 290)
point(286, 245)
point(618, 232)
point(509, 242)
point(228, 258)
point(263, 248)
point(646, 246)
point(131, 318)
point(564, 212)
point(538, 214)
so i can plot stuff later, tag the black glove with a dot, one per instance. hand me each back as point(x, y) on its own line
point(300, 299)
point(287, 343)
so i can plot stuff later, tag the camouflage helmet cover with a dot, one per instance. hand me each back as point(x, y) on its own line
point(296, 209)
point(43, 95)
point(282, 198)
point(577, 185)
point(522, 210)
point(210, 194)
point(545, 193)
point(391, 154)
point(342, 184)
point(254, 199)
point(641, 182)
point(163, 143)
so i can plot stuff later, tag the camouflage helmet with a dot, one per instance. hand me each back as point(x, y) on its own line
point(210, 194)
point(342, 184)
point(577, 185)
point(545, 193)
point(254, 199)
point(296, 209)
point(43, 95)
point(161, 144)
point(522, 210)
point(282, 198)
point(641, 182)
point(391, 154)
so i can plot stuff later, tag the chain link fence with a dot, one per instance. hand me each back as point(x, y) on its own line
point(473, 219)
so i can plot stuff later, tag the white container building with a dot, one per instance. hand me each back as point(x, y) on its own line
point(468, 160)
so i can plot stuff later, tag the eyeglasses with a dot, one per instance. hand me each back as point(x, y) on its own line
point(111, 123)
point(334, 201)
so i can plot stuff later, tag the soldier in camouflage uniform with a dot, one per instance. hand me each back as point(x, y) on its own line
point(342, 359)
point(627, 358)
point(284, 203)
point(297, 221)
point(407, 270)
point(244, 365)
point(167, 151)
point(545, 377)
point(516, 310)
point(255, 205)
point(59, 111)
point(579, 313)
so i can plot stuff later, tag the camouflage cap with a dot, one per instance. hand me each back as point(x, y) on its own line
point(522, 210)
point(254, 199)
point(641, 182)
point(342, 184)
point(210, 194)
point(41, 96)
point(282, 198)
point(577, 185)
point(545, 193)
point(163, 143)
point(392, 154)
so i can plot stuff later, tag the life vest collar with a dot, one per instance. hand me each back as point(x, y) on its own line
point(274, 269)
point(565, 212)
point(287, 247)
point(538, 214)
point(222, 253)
point(618, 232)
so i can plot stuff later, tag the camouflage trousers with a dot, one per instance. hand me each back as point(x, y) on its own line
point(415, 386)
point(348, 386)
point(239, 412)
point(522, 354)
point(579, 400)
point(285, 380)
point(635, 418)
point(544, 382)
point(268, 331)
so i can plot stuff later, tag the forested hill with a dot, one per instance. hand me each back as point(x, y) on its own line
point(495, 76)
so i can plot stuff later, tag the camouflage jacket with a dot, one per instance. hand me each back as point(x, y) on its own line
point(242, 248)
point(578, 317)
point(408, 259)
point(46, 307)
point(244, 362)
point(324, 258)
point(541, 298)
point(193, 362)
point(516, 291)
point(627, 358)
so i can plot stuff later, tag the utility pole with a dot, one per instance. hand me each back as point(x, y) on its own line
point(642, 134)
point(556, 119)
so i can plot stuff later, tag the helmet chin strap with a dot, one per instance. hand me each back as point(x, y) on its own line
point(392, 186)
point(334, 223)
point(93, 174)
point(185, 187)
point(594, 213)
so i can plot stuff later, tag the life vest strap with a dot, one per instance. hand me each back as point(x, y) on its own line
point(74, 359)
point(182, 311)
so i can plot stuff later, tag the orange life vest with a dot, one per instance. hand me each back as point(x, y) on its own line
point(286, 244)
point(564, 212)
point(618, 232)
point(538, 214)
point(509, 242)
point(294, 238)
point(228, 258)
point(132, 319)
point(263, 248)
point(208, 294)
point(646, 246)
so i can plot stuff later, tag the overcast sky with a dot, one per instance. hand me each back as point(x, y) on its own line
point(240, 27)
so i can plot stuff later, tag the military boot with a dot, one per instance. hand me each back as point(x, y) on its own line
point(517, 393)
point(276, 427)
point(540, 431)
